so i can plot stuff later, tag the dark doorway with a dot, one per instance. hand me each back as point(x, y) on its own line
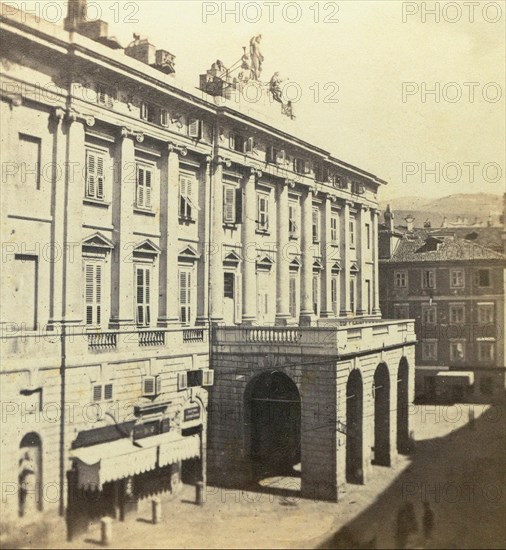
point(30, 474)
point(354, 422)
point(381, 391)
point(403, 407)
point(275, 411)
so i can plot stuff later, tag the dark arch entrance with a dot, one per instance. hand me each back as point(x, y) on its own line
point(403, 407)
point(274, 424)
point(30, 474)
point(354, 422)
point(381, 390)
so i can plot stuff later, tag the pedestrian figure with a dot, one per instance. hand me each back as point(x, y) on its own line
point(406, 524)
point(428, 520)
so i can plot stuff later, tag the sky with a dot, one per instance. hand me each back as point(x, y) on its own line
point(362, 72)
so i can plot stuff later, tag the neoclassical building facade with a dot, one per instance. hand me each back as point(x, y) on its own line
point(162, 250)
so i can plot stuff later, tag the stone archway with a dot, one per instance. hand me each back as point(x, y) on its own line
point(403, 446)
point(381, 391)
point(30, 474)
point(354, 430)
point(273, 410)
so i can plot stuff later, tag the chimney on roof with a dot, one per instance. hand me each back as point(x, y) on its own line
point(76, 14)
point(389, 218)
point(410, 222)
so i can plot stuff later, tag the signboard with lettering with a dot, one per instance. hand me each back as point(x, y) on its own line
point(192, 415)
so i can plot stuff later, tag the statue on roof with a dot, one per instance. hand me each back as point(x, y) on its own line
point(256, 57)
point(245, 73)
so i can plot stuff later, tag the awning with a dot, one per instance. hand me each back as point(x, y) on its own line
point(118, 459)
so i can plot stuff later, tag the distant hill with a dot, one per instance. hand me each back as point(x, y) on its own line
point(472, 207)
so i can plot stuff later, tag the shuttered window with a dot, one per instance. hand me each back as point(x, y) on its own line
point(185, 296)
point(293, 296)
point(94, 175)
point(229, 209)
point(316, 292)
point(292, 220)
point(334, 234)
point(316, 225)
point(187, 191)
point(263, 213)
point(194, 128)
point(93, 293)
point(143, 295)
point(144, 186)
point(333, 294)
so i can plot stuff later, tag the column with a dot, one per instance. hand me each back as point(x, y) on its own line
point(204, 237)
point(169, 283)
point(346, 260)
point(122, 282)
point(73, 307)
point(283, 261)
point(249, 286)
point(306, 312)
point(375, 302)
point(328, 260)
point(216, 243)
point(361, 257)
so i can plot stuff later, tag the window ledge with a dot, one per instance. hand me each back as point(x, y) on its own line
point(230, 225)
point(187, 221)
point(96, 202)
point(144, 211)
point(262, 232)
point(294, 237)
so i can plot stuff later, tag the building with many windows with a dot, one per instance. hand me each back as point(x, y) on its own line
point(184, 280)
point(453, 286)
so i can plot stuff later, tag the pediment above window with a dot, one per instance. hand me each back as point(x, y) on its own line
point(336, 267)
point(295, 264)
point(265, 263)
point(96, 245)
point(188, 254)
point(232, 259)
point(146, 250)
point(354, 268)
point(317, 265)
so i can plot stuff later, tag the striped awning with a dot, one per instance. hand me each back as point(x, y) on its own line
point(99, 464)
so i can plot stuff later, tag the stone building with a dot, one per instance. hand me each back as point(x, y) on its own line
point(167, 252)
point(453, 286)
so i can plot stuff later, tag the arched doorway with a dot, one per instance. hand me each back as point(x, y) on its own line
point(30, 474)
point(274, 424)
point(403, 407)
point(381, 391)
point(354, 422)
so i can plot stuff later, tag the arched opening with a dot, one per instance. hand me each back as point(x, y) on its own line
point(274, 407)
point(354, 422)
point(381, 391)
point(30, 474)
point(403, 407)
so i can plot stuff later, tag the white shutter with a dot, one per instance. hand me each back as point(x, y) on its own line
point(88, 269)
point(232, 141)
point(100, 177)
point(208, 377)
point(281, 157)
point(108, 392)
point(148, 385)
point(194, 128)
point(147, 202)
point(182, 381)
point(97, 392)
point(248, 145)
point(293, 296)
point(164, 117)
point(229, 204)
point(91, 164)
point(140, 186)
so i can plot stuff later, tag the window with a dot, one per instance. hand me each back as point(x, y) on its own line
point(357, 188)
point(228, 285)
point(29, 160)
point(263, 213)
point(187, 207)
point(143, 296)
point(300, 166)
point(94, 175)
point(151, 385)
point(105, 96)
point(275, 156)
point(293, 221)
point(486, 313)
point(401, 279)
point(164, 118)
point(293, 296)
point(352, 225)
point(232, 205)
point(316, 225)
point(195, 128)
point(237, 142)
point(457, 278)
point(333, 294)
point(457, 313)
point(486, 351)
point(483, 277)
point(457, 351)
point(334, 229)
point(185, 296)
point(144, 186)
point(368, 235)
point(321, 173)
point(148, 112)
point(353, 292)
point(428, 278)
point(102, 392)
point(93, 293)
point(316, 293)
point(428, 315)
point(429, 351)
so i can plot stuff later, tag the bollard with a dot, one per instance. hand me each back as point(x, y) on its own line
point(156, 510)
point(199, 493)
point(106, 530)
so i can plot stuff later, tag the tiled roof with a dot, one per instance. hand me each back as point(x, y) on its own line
point(417, 248)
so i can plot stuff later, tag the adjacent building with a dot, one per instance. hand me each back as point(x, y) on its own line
point(186, 282)
point(453, 286)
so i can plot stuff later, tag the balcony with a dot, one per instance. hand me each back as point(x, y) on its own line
point(344, 338)
point(151, 338)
